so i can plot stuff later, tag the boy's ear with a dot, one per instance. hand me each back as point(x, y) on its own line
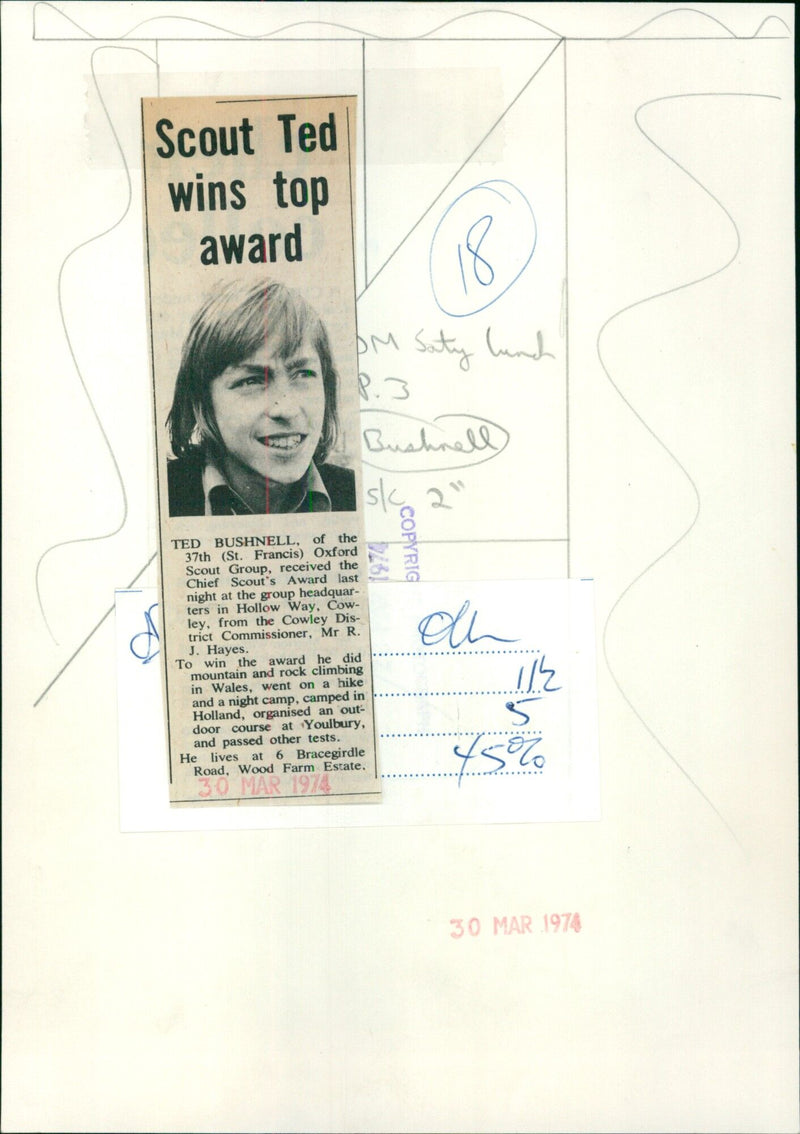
point(202, 431)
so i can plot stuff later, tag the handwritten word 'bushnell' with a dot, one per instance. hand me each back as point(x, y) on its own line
point(236, 141)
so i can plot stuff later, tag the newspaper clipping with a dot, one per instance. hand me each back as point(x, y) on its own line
point(264, 617)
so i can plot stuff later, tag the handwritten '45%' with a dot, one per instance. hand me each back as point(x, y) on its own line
point(521, 747)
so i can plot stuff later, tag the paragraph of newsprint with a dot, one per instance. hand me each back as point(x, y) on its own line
point(265, 621)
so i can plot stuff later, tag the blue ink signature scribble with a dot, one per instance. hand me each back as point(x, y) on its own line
point(148, 649)
point(441, 626)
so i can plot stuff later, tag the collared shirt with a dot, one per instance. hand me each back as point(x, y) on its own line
point(222, 500)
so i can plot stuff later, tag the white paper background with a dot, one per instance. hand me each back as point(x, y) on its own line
point(307, 979)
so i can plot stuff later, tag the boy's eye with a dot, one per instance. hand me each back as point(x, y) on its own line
point(306, 372)
point(249, 380)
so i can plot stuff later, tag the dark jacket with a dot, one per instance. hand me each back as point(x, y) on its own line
point(185, 483)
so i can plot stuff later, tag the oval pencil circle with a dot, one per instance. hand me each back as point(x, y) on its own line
point(397, 442)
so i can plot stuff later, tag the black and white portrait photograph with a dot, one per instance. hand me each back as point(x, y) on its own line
point(255, 413)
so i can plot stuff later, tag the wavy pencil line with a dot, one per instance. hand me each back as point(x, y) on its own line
point(766, 20)
point(300, 23)
point(360, 33)
point(490, 12)
point(84, 387)
point(612, 319)
point(706, 16)
point(673, 12)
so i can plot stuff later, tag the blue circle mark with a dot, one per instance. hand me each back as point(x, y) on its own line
point(482, 244)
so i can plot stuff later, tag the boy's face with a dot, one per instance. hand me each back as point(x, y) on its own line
point(269, 410)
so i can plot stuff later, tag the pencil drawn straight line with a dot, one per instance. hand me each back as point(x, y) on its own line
point(475, 542)
point(416, 40)
point(277, 98)
point(613, 318)
point(159, 482)
point(463, 165)
point(93, 631)
point(364, 154)
point(92, 406)
point(566, 322)
point(352, 202)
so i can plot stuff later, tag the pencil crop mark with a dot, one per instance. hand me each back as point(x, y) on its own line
point(612, 319)
point(359, 33)
point(84, 387)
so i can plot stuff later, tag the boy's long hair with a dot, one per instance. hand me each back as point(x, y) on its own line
point(235, 321)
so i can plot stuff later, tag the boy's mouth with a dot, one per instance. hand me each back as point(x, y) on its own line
point(284, 442)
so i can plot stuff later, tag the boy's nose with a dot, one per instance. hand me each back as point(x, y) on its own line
point(281, 397)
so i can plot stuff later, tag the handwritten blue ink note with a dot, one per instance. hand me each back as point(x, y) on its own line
point(486, 696)
point(485, 706)
point(480, 247)
point(144, 643)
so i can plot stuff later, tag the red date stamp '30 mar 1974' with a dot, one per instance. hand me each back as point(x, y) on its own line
point(516, 924)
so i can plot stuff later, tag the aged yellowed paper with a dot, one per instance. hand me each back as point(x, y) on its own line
point(265, 631)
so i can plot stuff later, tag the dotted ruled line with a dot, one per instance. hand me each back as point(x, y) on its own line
point(447, 775)
point(445, 653)
point(465, 732)
point(456, 693)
